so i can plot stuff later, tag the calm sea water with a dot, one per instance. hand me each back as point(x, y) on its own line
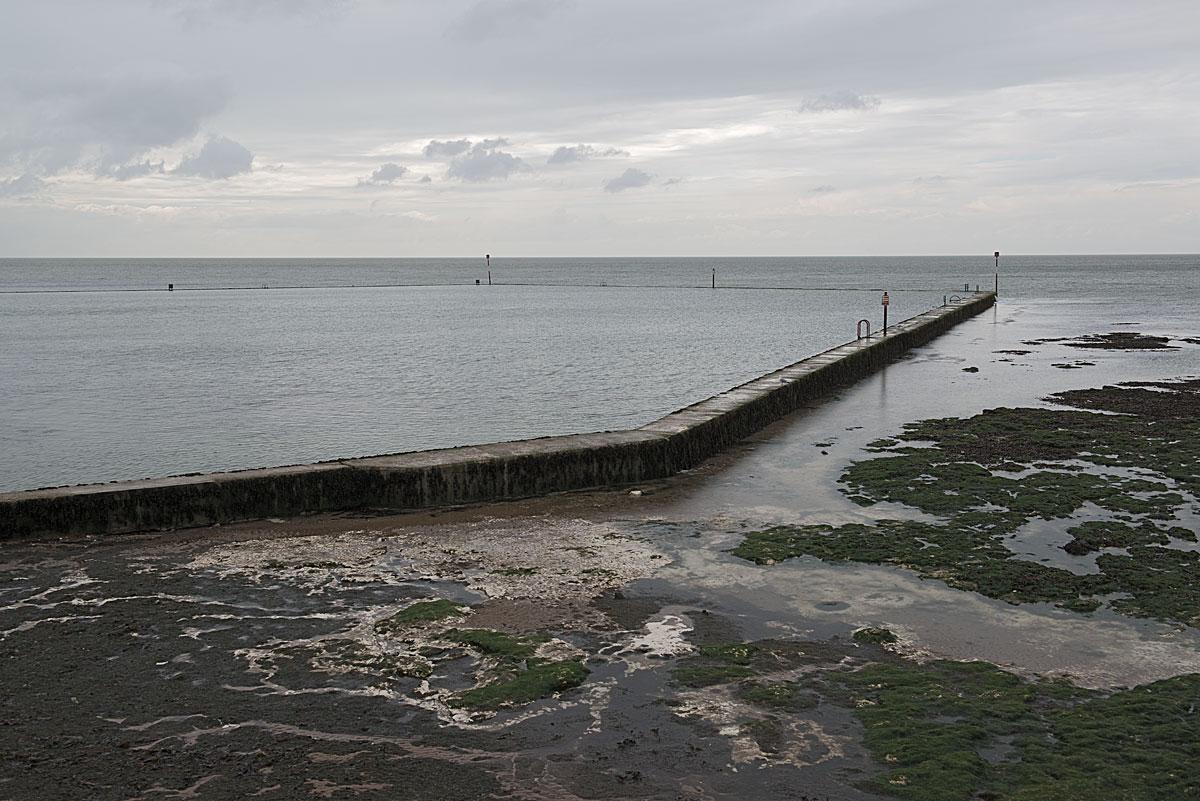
point(104, 375)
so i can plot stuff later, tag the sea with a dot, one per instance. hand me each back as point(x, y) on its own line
point(114, 369)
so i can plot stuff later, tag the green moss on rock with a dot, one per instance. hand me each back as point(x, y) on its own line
point(788, 697)
point(494, 643)
point(537, 681)
point(878, 636)
point(736, 653)
point(420, 613)
point(707, 675)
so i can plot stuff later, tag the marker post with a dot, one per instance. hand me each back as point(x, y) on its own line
point(885, 305)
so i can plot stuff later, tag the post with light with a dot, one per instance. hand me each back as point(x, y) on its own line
point(997, 273)
point(885, 305)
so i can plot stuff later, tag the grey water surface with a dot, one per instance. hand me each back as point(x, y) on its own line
point(258, 362)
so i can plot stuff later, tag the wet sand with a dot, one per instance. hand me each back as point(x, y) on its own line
point(249, 660)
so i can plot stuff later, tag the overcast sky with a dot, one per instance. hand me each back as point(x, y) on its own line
point(589, 128)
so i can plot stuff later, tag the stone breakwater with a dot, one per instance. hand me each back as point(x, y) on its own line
point(472, 474)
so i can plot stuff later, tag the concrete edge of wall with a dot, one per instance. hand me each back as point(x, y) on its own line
point(471, 474)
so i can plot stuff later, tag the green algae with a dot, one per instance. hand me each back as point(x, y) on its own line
point(944, 730)
point(787, 697)
point(520, 677)
point(1156, 582)
point(537, 681)
point(1097, 534)
point(932, 726)
point(708, 675)
point(879, 636)
point(718, 663)
point(497, 644)
point(962, 558)
point(421, 613)
point(986, 477)
point(736, 653)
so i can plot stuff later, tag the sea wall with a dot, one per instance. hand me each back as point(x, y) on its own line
point(471, 474)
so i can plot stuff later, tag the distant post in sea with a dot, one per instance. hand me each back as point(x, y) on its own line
point(714, 277)
point(997, 272)
point(488, 256)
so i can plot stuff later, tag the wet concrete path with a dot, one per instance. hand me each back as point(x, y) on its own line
point(257, 660)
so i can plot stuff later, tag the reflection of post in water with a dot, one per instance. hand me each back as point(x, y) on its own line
point(883, 371)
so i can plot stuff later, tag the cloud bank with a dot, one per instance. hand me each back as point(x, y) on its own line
point(101, 124)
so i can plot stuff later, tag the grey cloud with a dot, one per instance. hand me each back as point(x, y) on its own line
point(672, 181)
point(843, 100)
point(100, 124)
point(387, 174)
point(824, 189)
point(425, 179)
point(566, 155)
point(219, 158)
point(22, 186)
point(632, 178)
point(129, 171)
point(489, 19)
point(483, 162)
point(436, 149)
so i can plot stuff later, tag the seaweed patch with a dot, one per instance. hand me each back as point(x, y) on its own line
point(1135, 470)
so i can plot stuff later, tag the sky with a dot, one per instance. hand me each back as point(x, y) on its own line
point(365, 128)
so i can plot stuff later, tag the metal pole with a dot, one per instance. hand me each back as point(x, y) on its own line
point(714, 277)
point(997, 272)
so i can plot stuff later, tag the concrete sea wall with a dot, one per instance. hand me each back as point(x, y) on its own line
point(471, 474)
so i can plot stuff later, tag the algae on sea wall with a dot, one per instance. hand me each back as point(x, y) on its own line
point(988, 477)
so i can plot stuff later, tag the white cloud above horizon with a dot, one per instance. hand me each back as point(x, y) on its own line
point(922, 126)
